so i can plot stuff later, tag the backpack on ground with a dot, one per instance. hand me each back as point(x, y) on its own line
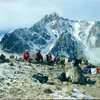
point(40, 78)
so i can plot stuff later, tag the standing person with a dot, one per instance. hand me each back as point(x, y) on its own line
point(49, 60)
point(39, 57)
point(26, 56)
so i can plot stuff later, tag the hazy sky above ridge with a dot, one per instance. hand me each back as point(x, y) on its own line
point(23, 13)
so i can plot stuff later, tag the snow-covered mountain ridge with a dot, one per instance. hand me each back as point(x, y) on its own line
point(54, 34)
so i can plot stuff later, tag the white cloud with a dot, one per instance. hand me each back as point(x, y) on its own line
point(17, 13)
point(21, 13)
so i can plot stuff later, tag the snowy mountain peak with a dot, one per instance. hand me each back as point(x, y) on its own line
point(54, 15)
point(49, 18)
point(54, 34)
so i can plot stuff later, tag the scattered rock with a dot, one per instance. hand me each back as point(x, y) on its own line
point(76, 76)
point(21, 86)
point(62, 77)
point(47, 90)
point(12, 57)
point(11, 63)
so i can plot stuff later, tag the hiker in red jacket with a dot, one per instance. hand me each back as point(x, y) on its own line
point(57, 58)
point(39, 57)
point(26, 56)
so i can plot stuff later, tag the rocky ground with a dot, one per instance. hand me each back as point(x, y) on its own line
point(16, 83)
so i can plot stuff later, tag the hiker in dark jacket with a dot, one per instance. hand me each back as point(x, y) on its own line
point(49, 60)
point(75, 63)
point(39, 57)
point(26, 56)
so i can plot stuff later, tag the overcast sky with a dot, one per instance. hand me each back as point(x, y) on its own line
point(22, 13)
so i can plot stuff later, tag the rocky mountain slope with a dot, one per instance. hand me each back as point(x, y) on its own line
point(16, 82)
point(54, 34)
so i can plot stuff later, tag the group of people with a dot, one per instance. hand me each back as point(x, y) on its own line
point(39, 58)
point(26, 56)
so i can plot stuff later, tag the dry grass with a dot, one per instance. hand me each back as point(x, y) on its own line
point(58, 87)
point(70, 90)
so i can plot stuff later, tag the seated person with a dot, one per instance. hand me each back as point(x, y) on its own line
point(39, 57)
point(57, 59)
point(75, 63)
point(49, 59)
point(62, 60)
point(26, 56)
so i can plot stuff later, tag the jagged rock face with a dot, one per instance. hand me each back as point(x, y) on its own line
point(13, 43)
point(94, 35)
point(89, 33)
point(66, 44)
point(53, 33)
point(42, 35)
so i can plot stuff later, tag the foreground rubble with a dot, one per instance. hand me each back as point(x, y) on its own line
point(16, 83)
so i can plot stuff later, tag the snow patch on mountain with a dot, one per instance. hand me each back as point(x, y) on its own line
point(93, 39)
point(51, 42)
point(76, 31)
point(1, 36)
point(88, 28)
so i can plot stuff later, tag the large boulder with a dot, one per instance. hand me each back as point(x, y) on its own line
point(76, 76)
